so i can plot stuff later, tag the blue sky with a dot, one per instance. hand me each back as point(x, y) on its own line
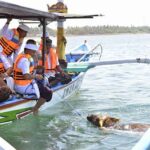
point(117, 12)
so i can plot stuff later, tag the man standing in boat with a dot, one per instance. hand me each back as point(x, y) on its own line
point(11, 40)
point(25, 79)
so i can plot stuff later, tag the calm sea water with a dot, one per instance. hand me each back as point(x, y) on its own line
point(122, 91)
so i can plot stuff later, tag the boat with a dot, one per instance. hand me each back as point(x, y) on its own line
point(78, 52)
point(83, 53)
point(19, 106)
point(144, 142)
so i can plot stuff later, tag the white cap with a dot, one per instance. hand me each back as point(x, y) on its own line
point(24, 27)
point(31, 47)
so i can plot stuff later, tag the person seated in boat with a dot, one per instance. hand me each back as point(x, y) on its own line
point(26, 82)
point(41, 42)
point(6, 70)
point(11, 40)
point(5, 91)
point(61, 62)
point(108, 122)
point(52, 68)
point(51, 60)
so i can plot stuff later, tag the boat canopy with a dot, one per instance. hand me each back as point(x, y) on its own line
point(9, 10)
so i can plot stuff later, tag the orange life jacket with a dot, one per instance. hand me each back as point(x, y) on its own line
point(2, 69)
point(18, 76)
point(40, 47)
point(9, 46)
point(53, 60)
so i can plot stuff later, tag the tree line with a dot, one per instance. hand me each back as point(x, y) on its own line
point(93, 30)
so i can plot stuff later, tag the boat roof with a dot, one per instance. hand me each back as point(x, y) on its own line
point(9, 10)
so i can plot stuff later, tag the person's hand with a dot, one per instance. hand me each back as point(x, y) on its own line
point(2, 75)
point(38, 76)
point(63, 73)
point(8, 20)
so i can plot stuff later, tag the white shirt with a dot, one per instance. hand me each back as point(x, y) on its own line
point(5, 62)
point(24, 65)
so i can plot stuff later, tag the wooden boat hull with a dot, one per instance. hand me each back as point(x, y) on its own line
point(17, 108)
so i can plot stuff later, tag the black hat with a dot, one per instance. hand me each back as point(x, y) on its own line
point(48, 41)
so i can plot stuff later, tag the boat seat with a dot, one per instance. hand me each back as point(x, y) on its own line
point(18, 97)
point(10, 84)
point(26, 96)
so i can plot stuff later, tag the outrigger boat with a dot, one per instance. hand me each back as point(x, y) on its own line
point(19, 106)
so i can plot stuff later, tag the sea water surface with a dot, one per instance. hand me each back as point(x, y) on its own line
point(121, 91)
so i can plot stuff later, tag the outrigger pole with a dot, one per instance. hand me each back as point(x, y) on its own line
point(87, 65)
point(115, 62)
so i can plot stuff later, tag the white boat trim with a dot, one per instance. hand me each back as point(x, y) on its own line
point(5, 145)
point(144, 142)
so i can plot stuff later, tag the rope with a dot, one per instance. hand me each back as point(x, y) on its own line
point(76, 112)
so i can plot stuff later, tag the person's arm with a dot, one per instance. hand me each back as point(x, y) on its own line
point(7, 65)
point(58, 67)
point(28, 76)
point(8, 20)
point(9, 71)
point(17, 51)
point(60, 70)
point(5, 31)
point(15, 54)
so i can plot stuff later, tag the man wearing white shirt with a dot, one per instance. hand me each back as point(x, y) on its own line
point(25, 79)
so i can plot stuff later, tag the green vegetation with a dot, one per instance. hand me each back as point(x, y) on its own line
point(106, 30)
point(93, 30)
